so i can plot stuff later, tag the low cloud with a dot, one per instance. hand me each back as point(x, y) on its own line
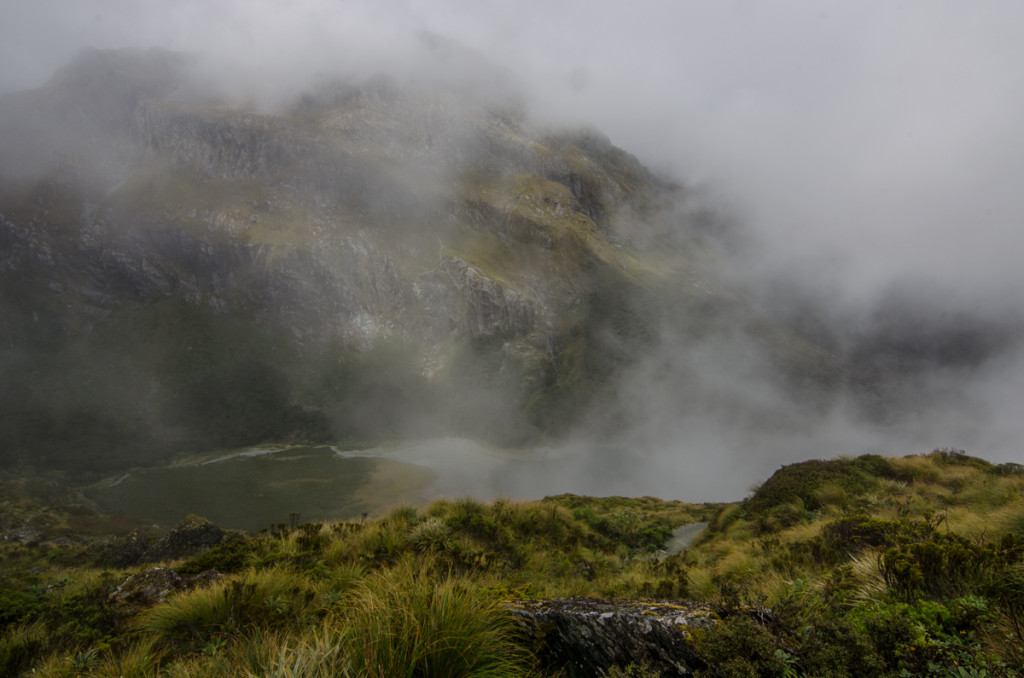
point(861, 147)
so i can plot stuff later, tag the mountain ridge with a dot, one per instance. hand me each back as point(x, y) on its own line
point(492, 251)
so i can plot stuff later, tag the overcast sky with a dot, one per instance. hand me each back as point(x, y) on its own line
point(872, 140)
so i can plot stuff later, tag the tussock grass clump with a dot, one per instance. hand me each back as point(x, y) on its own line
point(269, 598)
point(20, 646)
point(433, 534)
point(403, 624)
point(137, 660)
point(317, 654)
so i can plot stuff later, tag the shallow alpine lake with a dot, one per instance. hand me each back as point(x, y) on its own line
point(262, 486)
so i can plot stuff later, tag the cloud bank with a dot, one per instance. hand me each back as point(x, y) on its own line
point(865, 142)
point(864, 147)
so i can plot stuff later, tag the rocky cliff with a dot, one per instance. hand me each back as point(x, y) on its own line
point(509, 268)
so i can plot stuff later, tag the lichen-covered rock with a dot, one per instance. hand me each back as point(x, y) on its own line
point(587, 636)
point(192, 535)
point(148, 587)
point(128, 550)
point(152, 586)
point(26, 534)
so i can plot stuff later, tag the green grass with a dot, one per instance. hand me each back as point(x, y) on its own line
point(20, 646)
point(403, 624)
point(910, 565)
point(268, 598)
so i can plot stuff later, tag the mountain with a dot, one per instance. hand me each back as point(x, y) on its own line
point(378, 257)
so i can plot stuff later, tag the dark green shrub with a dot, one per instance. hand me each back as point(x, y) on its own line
point(834, 646)
point(951, 457)
point(309, 538)
point(877, 466)
point(799, 482)
point(894, 635)
point(1008, 469)
point(782, 516)
point(945, 566)
point(846, 536)
point(739, 646)
point(17, 605)
point(85, 618)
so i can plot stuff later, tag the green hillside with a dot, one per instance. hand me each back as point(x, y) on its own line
point(865, 566)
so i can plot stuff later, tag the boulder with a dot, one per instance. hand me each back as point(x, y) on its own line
point(153, 586)
point(586, 637)
point(148, 587)
point(128, 550)
point(192, 535)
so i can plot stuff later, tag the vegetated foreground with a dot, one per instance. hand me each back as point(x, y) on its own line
point(867, 566)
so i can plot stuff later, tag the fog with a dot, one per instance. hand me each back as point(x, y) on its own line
point(881, 138)
point(860, 149)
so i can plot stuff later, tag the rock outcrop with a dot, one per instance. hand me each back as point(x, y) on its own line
point(362, 214)
point(153, 586)
point(587, 636)
point(191, 536)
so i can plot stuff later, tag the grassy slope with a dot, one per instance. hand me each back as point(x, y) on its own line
point(868, 566)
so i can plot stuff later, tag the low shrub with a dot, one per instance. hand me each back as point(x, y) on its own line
point(738, 646)
point(17, 605)
point(844, 537)
point(945, 566)
point(803, 482)
point(953, 457)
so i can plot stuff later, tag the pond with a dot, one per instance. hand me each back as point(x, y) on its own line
point(260, 487)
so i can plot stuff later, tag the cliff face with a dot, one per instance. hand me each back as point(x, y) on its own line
point(379, 211)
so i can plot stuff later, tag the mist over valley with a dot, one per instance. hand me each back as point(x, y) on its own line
point(328, 285)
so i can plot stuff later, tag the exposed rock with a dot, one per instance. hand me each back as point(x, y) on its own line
point(128, 551)
point(155, 585)
point(587, 636)
point(23, 535)
point(189, 537)
point(490, 307)
point(362, 213)
point(148, 587)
